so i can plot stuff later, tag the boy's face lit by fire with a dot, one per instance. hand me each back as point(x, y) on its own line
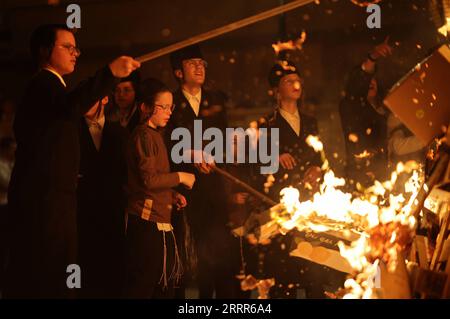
point(64, 54)
point(162, 109)
point(290, 87)
point(194, 72)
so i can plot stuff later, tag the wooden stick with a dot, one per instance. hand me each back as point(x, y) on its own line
point(222, 30)
point(421, 246)
point(245, 186)
point(440, 239)
point(426, 188)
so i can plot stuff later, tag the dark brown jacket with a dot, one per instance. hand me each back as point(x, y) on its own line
point(149, 178)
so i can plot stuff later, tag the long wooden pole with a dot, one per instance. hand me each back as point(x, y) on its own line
point(222, 30)
point(245, 186)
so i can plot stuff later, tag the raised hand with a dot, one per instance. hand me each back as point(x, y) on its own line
point(123, 66)
point(382, 50)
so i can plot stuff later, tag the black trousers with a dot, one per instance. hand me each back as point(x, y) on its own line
point(3, 243)
point(148, 249)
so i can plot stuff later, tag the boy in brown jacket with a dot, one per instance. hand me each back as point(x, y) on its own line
point(153, 264)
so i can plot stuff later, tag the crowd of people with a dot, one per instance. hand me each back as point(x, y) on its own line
point(87, 178)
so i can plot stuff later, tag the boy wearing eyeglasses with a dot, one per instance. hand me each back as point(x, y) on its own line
point(153, 262)
point(42, 193)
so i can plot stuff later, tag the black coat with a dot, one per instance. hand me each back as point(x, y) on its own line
point(207, 188)
point(134, 121)
point(206, 211)
point(296, 145)
point(359, 117)
point(42, 195)
point(101, 207)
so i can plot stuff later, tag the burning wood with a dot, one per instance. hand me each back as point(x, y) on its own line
point(250, 283)
point(362, 3)
point(364, 154)
point(290, 45)
point(383, 221)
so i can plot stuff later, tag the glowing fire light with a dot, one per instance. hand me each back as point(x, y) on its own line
point(383, 220)
point(364, 154)
point(290, 45)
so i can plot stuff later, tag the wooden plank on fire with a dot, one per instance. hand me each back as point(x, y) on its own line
point(422, 251)
point(440, 239)
point(395, 285)
point(446, 293)
point(445, 251)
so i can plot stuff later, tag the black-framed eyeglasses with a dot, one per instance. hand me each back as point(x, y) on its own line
point(72, 49)
point(166, 107)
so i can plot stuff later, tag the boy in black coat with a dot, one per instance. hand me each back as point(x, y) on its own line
point(42, 194)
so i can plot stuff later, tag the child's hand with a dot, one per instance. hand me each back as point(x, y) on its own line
point(207, 162)
point(287, 161)
point(187, 179)
point(180, 201)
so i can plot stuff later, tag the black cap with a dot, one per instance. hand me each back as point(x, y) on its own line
point(280, 69)
point(190, 52)
point(134, 78)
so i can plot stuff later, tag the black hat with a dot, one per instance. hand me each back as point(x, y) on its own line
point(134, 78)
point(190, 52)
point(280, 69)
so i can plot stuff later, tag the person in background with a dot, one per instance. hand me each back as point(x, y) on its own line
point(403, 145)
point(124, 107)
point(364, 121)
point(101, 204)
point(7, 152)
point(7, 113)
point(299, 168)
point(206, 214)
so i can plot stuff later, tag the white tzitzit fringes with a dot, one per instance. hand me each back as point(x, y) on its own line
point(164, 273)
point(177, 269)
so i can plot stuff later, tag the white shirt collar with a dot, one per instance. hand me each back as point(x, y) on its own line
point(293, 119)
point(194, 100)
point(189, 96)
point(295, 114)
point(58, 75)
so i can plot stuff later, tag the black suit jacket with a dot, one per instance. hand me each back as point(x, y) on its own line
point(101, 207)
point(42, 195)
point(134, 120)
point(206, 201)
point(296, 145)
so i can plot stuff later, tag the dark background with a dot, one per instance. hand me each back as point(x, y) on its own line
point(337, 40)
